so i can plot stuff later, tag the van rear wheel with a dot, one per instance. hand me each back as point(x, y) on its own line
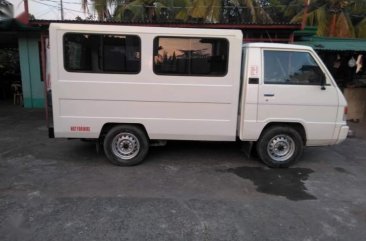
point(126, 145)
point(280, 146)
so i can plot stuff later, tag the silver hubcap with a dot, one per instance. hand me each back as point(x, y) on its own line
point(125, 146)
point(281, 147)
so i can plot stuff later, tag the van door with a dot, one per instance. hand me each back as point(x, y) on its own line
point(290, 91)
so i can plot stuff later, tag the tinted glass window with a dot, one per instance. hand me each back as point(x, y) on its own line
point(190, 56)
point(102, 53)
point(285, 67)
point(77, 52)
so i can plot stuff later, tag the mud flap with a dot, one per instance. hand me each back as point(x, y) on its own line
point(158, 143)
point(247, 147)
point(98, 147)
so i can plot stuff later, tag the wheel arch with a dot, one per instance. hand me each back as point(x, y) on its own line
point(107, 126)
point(299, 127)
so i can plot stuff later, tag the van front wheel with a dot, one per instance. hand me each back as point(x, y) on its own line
point(126, 145)
point(280, 146)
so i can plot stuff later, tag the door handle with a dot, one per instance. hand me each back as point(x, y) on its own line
point(269, 95)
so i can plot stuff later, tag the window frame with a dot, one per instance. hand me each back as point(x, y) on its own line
point(156, 38)
point(293, 84)
point(100, 63)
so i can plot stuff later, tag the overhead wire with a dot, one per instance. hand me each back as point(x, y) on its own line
point(56, 6)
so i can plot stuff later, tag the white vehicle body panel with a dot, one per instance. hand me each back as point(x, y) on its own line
point(319, 111)
point(190, 107)
point(169, 107)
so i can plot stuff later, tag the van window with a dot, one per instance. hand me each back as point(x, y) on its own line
point(190, 56)
point(288, 67)
point(98, 53)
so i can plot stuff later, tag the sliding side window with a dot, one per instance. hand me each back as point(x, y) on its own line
point(97, 53)
point(191, 56)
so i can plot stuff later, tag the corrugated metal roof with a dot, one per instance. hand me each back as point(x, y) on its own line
point(15, 25)
point(335, 44)
point(175, 24)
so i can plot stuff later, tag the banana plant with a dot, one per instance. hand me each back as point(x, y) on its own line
point(331, 17)
point(211, 11)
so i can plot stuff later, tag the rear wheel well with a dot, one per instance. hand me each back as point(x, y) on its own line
point(297, 126)
point(107, 126)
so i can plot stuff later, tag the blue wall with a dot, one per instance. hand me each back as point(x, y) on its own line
point(33, 87)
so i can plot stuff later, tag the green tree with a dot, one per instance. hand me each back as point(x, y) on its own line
point(135, 10)
point(338, 18)
point(360, 29)
point(31, 17)
point(149, 10)
point(9, 61)
point(358, 17)
point(183, 10)
point(214, 11)
point(333, 18)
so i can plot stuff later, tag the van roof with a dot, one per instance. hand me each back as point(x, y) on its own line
point(276, 45)
point(100, 28)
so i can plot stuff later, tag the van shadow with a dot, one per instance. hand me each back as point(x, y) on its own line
point(198, 152)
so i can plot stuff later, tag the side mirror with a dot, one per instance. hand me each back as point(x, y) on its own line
point(323, 81)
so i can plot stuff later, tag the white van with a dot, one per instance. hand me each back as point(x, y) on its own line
point(128, 86)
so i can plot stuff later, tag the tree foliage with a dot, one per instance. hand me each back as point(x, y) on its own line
point(212, 11)
point(9, 61)
point(338, 18)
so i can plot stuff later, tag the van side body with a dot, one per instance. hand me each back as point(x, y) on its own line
point(167, 106)
point(190, 84)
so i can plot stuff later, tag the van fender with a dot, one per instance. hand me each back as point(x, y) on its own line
point(297, 124)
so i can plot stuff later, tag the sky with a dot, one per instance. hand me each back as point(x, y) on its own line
point(171, 45)
point(49, 9)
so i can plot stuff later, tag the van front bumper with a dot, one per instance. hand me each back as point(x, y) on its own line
point(343, 133)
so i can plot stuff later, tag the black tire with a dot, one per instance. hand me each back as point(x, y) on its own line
point(126, 145)
point(278, 140)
